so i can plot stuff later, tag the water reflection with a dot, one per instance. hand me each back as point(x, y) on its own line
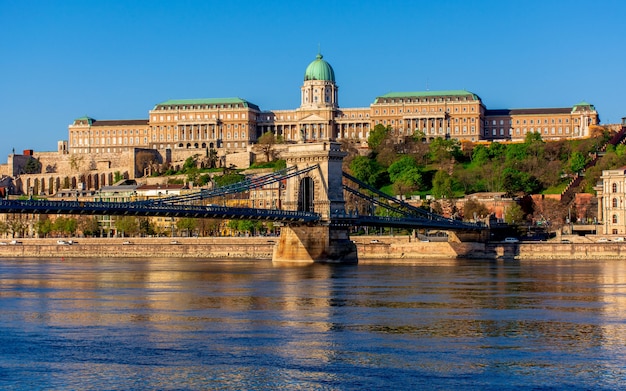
point(172, 324)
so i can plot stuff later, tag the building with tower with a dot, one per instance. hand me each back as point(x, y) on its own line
point(232, 124)
point(97, 150)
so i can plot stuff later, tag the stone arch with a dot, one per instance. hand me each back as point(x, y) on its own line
point(35, 186)
point(306, 194)
point(73, 183)
point(51, 185)
point(103, 179)
point(203, 145)
point(110, 178)
point(188, 145)
point(57, 184)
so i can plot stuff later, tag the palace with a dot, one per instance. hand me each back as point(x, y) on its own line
point(98, 152)
point(232, 124)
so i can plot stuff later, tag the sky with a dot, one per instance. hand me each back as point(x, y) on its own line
point(60, 60)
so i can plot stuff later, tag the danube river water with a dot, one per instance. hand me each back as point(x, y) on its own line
point(181, 324)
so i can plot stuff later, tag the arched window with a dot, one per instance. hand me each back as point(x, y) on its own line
point(614, 219)
point(615, 188)
point(615, 202)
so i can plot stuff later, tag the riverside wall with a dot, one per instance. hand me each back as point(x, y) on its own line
point(369, 248)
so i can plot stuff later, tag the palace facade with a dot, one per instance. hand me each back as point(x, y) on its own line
point(233, 124)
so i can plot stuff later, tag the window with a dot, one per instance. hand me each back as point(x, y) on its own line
point(615, 202)
point(615, 188)
point(614, 219)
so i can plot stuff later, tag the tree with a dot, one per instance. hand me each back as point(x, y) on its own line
point(32, 166)
point(146, 227)
point(44, 227)
point(514, 215)
point(480, 155)
point(212, 158)
point(89, 226)
point(117, 176)
point(442, 151)
point(64, 225)
point(405, 175)
point(550, 211)
point(228, 179)
point(442, 185)
point(187, 224)
point(127, 225)
point(474, 210)
point(577, 162)
point(266, 142)
point(368, 171)
point(377, 136)
point(190, 163)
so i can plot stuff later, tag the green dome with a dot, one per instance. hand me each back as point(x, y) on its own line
point(319, 70)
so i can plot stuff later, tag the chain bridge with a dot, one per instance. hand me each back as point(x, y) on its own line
point(316, 217)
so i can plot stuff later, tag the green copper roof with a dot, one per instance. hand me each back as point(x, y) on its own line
point(319, 70)
point(85, 118)
point(427, 94)
point(584, 104)
point(208, 101)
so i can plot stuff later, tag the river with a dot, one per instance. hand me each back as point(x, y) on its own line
point(183, 324)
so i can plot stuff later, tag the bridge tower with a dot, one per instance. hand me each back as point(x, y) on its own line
point(320, 191)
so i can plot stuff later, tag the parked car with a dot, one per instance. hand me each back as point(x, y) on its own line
point(511, 240)
point(618, 239)
point(603, 240)
point(15, 242)
point(566, 241)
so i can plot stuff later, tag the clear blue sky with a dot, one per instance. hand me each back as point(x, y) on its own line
point(60, 60)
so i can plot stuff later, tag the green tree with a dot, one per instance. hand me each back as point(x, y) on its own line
point(117, 176)
point(228, 179)
point(577, 162)
point(514, 215)
point(405, 175)
point(190, 163)
point(377, 136)
point(442, 185)
point(44, 227)
point(32, 166)
point(368, 171)
point(443, 151)
point(127, 225)
point(246, 226)
point(480, 155)
point(187, 224)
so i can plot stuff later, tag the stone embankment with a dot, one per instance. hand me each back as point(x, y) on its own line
point(219, 248)
point(370, 249)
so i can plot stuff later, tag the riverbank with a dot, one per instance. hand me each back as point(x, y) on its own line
point(370, 249)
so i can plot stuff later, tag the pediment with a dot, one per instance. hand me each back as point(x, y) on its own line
point(313, 118)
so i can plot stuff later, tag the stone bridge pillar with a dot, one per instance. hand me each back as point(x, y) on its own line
point(319, 191)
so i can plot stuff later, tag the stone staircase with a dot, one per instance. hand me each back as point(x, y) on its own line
point(568, 194)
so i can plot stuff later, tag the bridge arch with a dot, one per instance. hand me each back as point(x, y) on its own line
point(306, 195)
point(319, 190)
